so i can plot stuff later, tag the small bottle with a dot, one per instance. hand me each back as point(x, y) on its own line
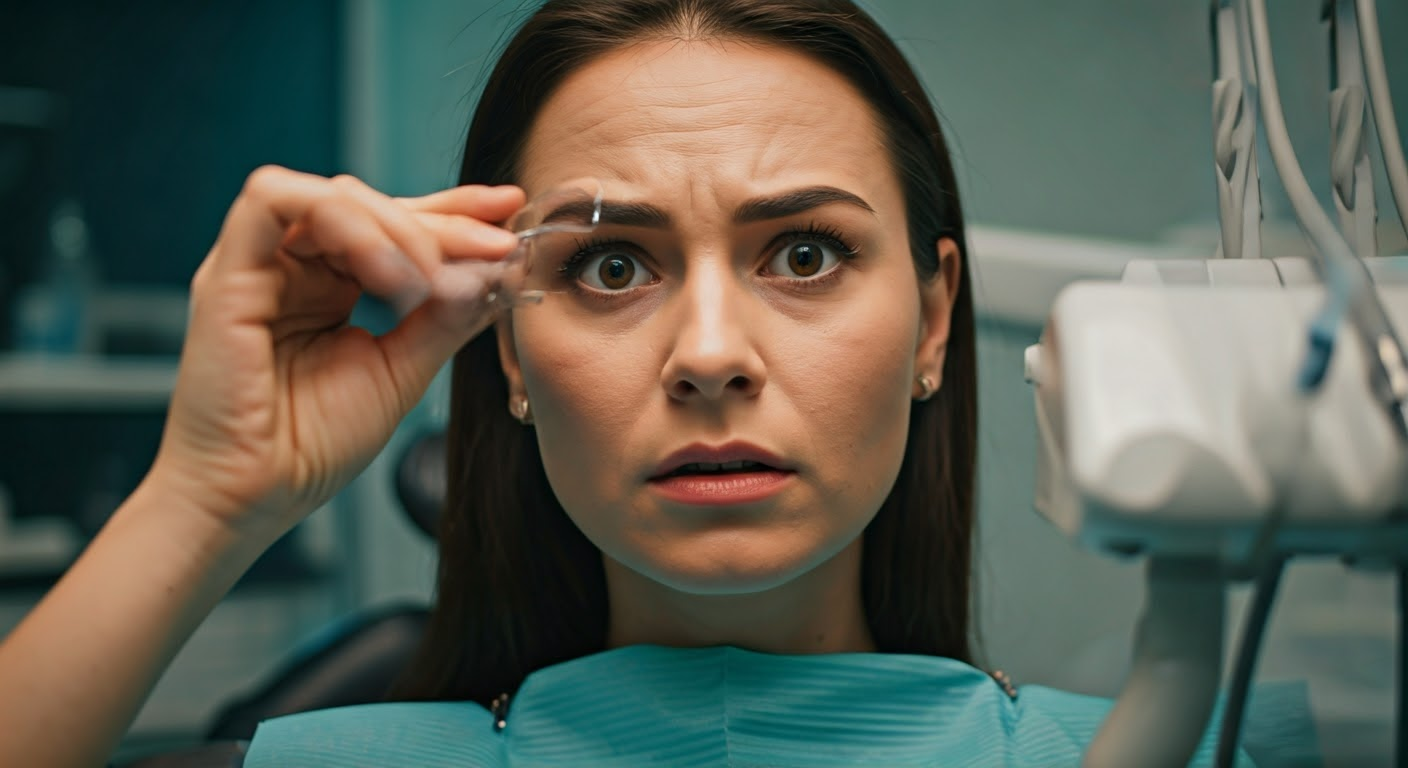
point(53, 314)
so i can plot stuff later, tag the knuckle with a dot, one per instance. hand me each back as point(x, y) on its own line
point(353, 192)
point(261, 180)
point(341, 226)
point(346, 182)
point(326, 211)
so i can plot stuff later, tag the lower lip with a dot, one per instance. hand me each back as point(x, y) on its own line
point(731, 488)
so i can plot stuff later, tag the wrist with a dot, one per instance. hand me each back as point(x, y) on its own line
point(200, 519)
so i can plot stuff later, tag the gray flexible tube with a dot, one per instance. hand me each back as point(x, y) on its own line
point(1375, 77)
point(1328, 241)
point(1346, 278)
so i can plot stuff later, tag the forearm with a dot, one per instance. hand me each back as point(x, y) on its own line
point(75, 672)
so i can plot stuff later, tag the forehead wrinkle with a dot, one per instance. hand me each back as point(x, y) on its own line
point(765, 117)
point(619, 138)
point(784, 154)
point(672, 114)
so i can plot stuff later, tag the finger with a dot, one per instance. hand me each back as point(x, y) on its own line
point(457, 311)
point(347, 238)
point(427, 248)
point(355, 231)
point(271, 200)
point(463, 237)
point(484, 203)
point(398, 222)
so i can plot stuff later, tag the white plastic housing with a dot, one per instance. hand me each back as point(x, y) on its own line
point(1170, 422)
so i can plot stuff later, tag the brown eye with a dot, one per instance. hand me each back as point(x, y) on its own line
point(616, 272)
point(613, 271)
point(805, 259)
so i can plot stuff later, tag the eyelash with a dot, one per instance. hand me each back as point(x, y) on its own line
point(827, 235)
point(585, 250)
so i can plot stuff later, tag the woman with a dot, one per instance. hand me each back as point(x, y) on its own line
point(711, 502)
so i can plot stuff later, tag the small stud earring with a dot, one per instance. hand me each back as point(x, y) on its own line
point(926, 386)
point(519, 408)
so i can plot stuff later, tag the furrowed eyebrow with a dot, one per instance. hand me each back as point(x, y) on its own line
point(634, 215)
point(757, 209)
point(794, 202)
point(612, 212)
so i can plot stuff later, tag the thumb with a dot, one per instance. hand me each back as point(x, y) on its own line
point(456, 311)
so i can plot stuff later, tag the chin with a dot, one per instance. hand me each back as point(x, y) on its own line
point(730, 567)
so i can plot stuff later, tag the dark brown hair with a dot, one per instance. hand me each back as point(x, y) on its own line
point(520, 587)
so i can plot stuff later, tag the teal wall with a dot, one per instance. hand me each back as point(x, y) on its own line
point(427, 61)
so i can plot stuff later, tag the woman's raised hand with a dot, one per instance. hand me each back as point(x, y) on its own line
point(279, 402)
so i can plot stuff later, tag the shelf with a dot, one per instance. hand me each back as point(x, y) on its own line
point(33, 382)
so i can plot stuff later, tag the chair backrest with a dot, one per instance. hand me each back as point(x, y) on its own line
point(421, 480)
point(355, 662)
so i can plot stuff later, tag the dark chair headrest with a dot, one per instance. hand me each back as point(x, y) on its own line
point(354, 662)
point(421, 480)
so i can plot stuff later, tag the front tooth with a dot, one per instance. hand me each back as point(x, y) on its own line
point(729, 466)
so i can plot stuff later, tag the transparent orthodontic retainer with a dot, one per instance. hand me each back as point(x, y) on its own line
point(549, 222)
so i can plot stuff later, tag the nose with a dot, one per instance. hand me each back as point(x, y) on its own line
point(714, 356)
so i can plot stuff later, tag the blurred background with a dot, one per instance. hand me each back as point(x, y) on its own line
point(1082, 136)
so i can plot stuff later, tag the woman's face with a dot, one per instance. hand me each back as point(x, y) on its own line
point(754, 300)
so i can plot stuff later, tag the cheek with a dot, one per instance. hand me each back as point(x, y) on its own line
point(587, 393)
point(850, 382)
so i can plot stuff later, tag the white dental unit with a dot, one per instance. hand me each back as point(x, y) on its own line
point(1219, 417)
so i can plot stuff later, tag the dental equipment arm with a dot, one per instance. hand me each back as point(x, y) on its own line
point(1171, 425)
point(1178, 647)
point(1184, 416)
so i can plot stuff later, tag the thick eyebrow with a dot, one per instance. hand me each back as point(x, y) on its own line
point(612, 212)
point(794, 202)
point(650, 216)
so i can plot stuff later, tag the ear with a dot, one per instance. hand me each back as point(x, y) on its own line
point(508, 357)
point(936, 300)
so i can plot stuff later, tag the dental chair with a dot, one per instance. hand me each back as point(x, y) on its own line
point(354, 661)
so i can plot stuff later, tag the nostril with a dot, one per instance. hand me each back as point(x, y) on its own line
point(681, 385)
point(684, 389)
